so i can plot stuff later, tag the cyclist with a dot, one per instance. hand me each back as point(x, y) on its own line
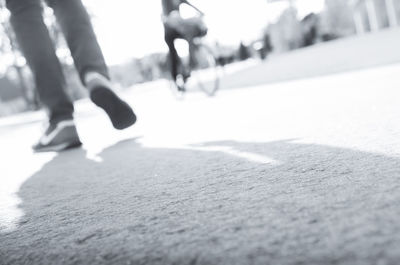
point(178, 28)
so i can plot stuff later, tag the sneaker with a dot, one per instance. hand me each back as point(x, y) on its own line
point(120, 113)
point(180, 83)
point(58, 137)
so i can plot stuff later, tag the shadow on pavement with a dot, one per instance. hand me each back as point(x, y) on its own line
point(318, 204)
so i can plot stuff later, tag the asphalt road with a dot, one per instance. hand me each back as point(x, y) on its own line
point(300, 172)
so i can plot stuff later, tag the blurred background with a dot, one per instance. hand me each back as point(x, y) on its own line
point(132, 38)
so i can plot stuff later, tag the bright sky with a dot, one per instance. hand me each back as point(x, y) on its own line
point(132, 28)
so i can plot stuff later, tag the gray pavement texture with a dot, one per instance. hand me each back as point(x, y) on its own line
point(321, 205)
point(302, 172)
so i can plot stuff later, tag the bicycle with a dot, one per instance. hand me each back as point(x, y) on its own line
point(199, 69)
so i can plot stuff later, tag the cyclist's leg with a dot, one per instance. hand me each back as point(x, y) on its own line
point(170, 37)
point(192, 53)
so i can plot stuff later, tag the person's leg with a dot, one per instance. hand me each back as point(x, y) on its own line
point(170, 37)
point(37, 47)
point(89, 61)
point(192, 54)
point(81, 39)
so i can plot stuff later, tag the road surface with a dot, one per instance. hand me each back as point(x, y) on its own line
point(297, 172)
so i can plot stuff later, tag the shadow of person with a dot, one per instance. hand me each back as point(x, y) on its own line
point(317, 204)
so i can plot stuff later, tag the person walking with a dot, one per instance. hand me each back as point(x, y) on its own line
point(37, 47)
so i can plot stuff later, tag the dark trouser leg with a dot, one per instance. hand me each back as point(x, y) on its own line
point(174, 57)
point(192, 55)
point(77, 28)
point(34, 40)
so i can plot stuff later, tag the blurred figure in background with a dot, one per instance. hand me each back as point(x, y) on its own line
point(176, 27)
point(38, 49)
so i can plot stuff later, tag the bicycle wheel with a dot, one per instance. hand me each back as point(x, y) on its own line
point(204, 71)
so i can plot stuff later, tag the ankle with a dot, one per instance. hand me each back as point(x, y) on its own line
point(93, 80)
